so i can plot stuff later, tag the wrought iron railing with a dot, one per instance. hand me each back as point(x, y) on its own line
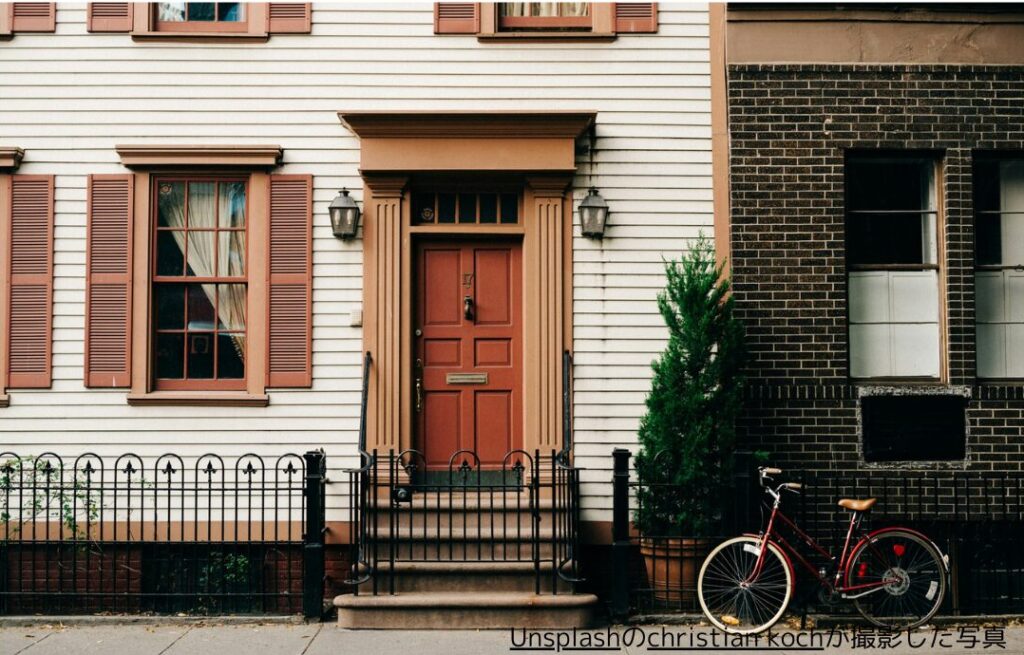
point(524, 509)
point(127, 534)
point(977, 518)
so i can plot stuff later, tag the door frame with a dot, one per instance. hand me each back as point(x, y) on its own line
point(537, 152)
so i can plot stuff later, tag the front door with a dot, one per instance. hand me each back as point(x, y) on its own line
point(468, 350)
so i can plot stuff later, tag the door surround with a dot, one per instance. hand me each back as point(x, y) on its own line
point(536, 151)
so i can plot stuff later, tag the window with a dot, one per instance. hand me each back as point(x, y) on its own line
point(927, 427)
point(465, 208)
point(999, 272)
point(200, 16)
point(892, 262)
point(544, 16)
point(200, 284)
point(510, 21)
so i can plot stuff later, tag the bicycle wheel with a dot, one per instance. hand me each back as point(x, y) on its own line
point(731, 600)
point(916, 573)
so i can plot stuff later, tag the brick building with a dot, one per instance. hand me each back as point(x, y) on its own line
point(875, 161)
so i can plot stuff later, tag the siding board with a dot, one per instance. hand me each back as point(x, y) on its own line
point(69, 97)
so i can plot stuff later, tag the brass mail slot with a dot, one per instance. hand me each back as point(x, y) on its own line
point(466, 378)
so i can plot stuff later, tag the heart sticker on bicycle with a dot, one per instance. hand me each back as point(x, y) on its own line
point(899, 549)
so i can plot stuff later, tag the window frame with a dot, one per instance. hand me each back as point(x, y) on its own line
point(145, 25)
point(154, 279)
point(601, 25)
point(936, 161)
point(996, 157)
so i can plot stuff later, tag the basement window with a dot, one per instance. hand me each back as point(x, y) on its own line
point(927, 427)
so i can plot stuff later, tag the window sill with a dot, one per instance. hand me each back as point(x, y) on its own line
point(547, 37)
point(202, 37)
point(198, 399)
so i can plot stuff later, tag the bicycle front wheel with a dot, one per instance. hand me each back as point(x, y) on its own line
point(911, 573)
point(735, 600)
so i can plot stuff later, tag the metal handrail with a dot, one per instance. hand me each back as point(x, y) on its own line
point(366, 461)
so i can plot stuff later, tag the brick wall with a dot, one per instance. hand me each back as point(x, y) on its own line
point(790, 127)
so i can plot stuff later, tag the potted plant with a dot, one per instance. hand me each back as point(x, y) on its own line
point(686, 436)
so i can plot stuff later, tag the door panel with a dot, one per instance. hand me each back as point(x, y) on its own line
point(484, 412)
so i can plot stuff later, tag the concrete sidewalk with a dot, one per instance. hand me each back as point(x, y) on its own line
point(152, 638)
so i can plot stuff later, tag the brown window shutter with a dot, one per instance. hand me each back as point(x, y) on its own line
point(290, 338)
point(110, 17)
point(456, 17)
point(108, 287)
point(638, 17)
point(290, 17)
point(34, 17)
point(31, 281)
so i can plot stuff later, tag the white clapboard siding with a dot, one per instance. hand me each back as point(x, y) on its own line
point(69, 97)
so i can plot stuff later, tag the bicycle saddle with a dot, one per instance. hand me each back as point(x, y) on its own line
point(857, 505)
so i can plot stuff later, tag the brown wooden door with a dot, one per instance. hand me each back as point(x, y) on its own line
point(468, 361)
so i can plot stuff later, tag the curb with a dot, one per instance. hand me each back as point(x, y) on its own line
point(86, 620)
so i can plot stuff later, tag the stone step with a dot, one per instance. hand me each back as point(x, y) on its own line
point(458, 610)
point(472, 550)
point(469, 576)
point(419, 519)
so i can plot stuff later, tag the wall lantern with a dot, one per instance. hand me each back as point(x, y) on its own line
point(344, 216)
point(593, 214)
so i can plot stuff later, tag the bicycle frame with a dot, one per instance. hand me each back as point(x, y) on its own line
point(836, 585)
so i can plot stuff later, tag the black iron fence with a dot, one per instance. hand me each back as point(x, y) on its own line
point(976, 518)
point(125, 534)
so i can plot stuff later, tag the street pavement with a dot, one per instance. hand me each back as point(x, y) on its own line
point(162, 638)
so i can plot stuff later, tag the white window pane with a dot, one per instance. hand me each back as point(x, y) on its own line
point(1011, 186)
point(991, 351)
point(915, 296)
point(869, 351)
point(1014, 351)
point(915, 349)
point(1014, 282)
point(988, 296)
point(869, 297)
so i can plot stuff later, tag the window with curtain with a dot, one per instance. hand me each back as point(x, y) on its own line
point(200, 16)
point(544, 16)
point(200, 284)
point(999, 267)
point(893, 267)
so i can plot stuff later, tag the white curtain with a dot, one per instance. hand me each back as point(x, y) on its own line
point(545, 8)
point(202, 211)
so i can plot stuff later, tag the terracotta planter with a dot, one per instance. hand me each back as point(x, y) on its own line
point(672, 567)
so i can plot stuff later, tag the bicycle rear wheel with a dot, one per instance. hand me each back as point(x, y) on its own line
point(914, 575)
point(731, 599)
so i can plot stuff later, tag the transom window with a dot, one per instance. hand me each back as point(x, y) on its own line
point(200, 283)
point(892, 263)
point(544, 16)
point(999, 270)
point(465, 208)
point(205, 16)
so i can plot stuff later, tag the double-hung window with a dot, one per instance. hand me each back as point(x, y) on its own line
point(892, 224)
point(201, 16)
point(999, 272)
point(524, 16)
point(200, 283)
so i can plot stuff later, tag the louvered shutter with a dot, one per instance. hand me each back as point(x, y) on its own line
point(108, 281)
point(34, 17)
point(30, 297)
point(290, 337)
point(637, 17)
point(290, 17)
point(456, 17)
point(110, 17)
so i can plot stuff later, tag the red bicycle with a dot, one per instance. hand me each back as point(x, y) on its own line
point(896, 577)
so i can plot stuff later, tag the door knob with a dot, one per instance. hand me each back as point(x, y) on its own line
point(467, 307)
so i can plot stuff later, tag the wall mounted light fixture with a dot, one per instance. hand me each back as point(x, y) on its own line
point(344, 216)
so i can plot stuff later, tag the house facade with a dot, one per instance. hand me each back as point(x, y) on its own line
point(874, 220)
point(171, 281)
